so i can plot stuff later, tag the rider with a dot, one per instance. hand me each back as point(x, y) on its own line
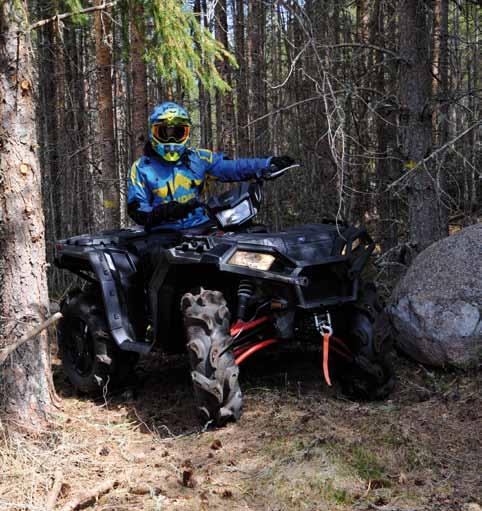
point(165, 183)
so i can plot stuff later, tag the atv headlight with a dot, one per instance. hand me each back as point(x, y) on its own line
point(253, 260)
point(236, 215)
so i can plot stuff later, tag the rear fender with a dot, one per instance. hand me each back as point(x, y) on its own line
point(359, 248)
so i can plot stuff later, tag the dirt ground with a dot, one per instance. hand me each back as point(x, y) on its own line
point(298, 446)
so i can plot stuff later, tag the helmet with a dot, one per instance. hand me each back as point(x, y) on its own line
point(169, 130)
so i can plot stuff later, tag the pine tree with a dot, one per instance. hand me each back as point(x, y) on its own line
point(25, 380)
point(110, 175)
point(425, 218)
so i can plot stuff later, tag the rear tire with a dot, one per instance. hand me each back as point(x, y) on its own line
point(91, 360)
point(214, 372)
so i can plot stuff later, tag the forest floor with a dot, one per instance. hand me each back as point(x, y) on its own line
point(298, 446)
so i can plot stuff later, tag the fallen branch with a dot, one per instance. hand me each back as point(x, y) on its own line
point(384, 508)
point(388, 508)
point(54, 492)
point(59, 17)
point(10, 349)
point(93, 494)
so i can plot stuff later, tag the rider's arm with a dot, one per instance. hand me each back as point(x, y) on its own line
point(235, 170)
point(139, 196)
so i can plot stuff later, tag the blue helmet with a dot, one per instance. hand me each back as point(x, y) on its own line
point(169, 130)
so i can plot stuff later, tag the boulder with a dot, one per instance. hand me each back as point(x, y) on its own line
point(436, 309)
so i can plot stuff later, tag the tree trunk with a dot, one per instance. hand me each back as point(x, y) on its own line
point(205, 114)
point(224, 102)
point(25, 381)
point(440, 74)
point(242, 137)
point(259, 136)
point(387, 169)
point(425, 219)
point(110, 177)
point(139, 82)
point(359, 203)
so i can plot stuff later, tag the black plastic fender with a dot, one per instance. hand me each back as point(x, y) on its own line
point(110, 266)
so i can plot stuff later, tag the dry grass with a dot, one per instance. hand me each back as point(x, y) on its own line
point(297, 447)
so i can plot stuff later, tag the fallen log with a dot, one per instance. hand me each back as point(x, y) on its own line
point(90, 496)
point(33, 333)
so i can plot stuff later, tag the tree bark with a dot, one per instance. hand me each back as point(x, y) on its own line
point(110, 177)
point(425, 219)
point(25, 381)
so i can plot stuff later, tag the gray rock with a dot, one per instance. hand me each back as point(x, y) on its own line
point(436, 309)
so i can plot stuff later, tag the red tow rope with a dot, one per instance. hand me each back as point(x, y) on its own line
point(326, 347)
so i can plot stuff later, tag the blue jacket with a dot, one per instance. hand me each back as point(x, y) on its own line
point(152, 182)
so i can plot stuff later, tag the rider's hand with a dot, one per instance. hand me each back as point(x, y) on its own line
point(281, 162)
point(173, 210)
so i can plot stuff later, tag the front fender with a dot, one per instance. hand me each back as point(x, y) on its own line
point(113, 268)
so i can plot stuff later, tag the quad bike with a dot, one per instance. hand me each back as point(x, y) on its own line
point(222, 292)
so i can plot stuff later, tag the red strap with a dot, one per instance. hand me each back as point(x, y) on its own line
point(326, 347)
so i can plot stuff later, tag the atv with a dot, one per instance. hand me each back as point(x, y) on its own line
point(222, 292)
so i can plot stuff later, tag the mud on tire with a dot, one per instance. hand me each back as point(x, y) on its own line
point(373, 378)
point(91, 360)
point(213, 370)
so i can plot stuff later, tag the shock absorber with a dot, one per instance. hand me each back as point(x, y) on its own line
point(245, 293)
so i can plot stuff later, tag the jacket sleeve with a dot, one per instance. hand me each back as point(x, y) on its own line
point(139, 197)
point(235, 170)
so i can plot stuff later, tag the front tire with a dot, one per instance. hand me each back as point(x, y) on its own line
point(214, 372)
point(372, 377)
point(91, 360)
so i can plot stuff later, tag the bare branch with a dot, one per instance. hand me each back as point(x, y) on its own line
point(10, 349)
point(282, 109)
point(59, 17)
point(434, 153)
point(368, 46)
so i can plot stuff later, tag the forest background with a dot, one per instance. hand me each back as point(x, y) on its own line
point(380, 103)
point(378, 100)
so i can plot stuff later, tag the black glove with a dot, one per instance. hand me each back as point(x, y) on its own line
point(172, 210)
point(163, 213)
point(281, 162)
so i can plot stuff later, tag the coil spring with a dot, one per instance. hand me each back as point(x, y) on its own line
point(245, 293)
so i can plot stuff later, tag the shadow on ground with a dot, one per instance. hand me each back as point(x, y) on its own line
point(160, 395)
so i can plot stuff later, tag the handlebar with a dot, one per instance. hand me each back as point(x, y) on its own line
point(280, 172)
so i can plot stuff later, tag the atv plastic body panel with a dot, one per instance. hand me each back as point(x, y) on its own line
point(316, 266)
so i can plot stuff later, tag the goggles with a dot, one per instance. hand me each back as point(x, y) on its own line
point(165, 133)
